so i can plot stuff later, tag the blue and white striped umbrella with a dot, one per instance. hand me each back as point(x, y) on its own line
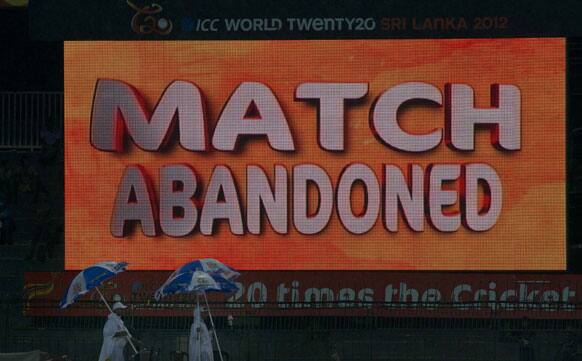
point(90, 278)
point(197, 281)
point(210, 266)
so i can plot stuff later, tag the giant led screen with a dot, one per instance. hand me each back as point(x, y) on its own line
point(317, 155)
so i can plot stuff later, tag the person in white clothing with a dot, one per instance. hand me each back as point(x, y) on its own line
point(200, 343)
point(114, 335)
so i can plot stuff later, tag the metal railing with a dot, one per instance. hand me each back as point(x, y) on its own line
point(29, 118)
point(271, 317)
point(246, 337)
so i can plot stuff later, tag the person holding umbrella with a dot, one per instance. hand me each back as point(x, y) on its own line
point(200, 276)
point(115, 335)
point(199, 342)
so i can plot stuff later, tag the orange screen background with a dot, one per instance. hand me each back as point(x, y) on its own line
point(529, 235)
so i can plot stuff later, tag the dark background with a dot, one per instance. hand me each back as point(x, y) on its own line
point(34, 65)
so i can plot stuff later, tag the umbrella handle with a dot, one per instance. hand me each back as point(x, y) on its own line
point(199, 338)
point(213, 328)
point(129, 336)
